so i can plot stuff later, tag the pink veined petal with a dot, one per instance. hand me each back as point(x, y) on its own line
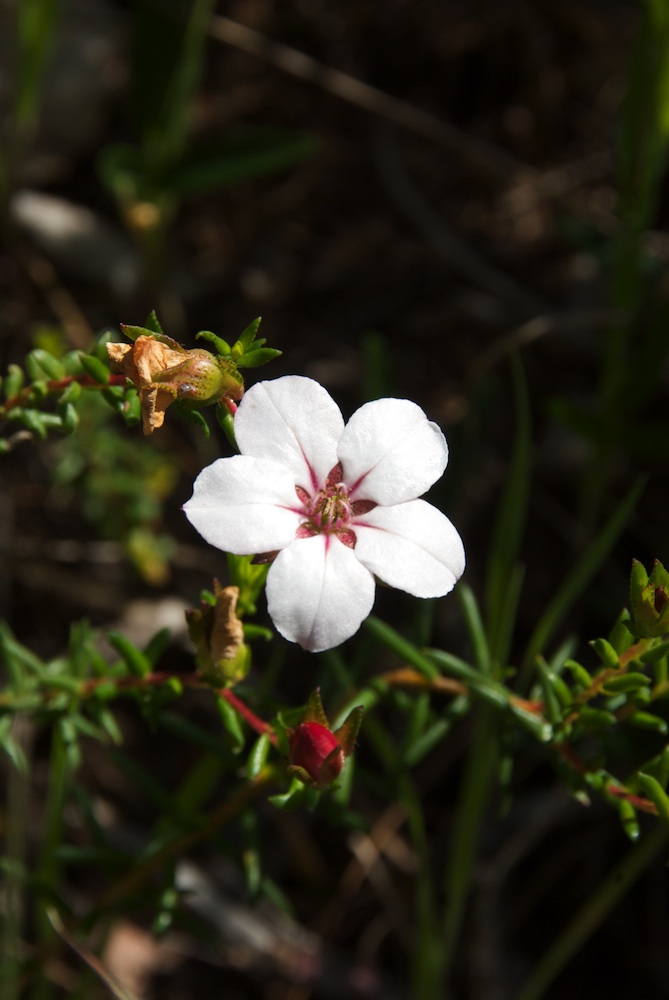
point(411, 546)
point(391, 452)
point(318, 593)
point(245, 505)
point(292, 420)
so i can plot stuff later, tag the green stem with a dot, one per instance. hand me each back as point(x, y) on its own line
point(616, 884)
point(48, 871)
point(472, 802)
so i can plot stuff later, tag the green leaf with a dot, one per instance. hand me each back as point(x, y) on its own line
point(248, 335)
point(231, 724)
point(97, 369)
point(227, 424)
point(261, 356)
point(137, 663)
point(240, 155)
point(14, 381)
point(501, 600)
point(574, 585)
point(222, 346)
point(631, 681)
point(656, 793)
point(646, 720)
point(606, 653)
point(153, 323)
point(49, 366)
point(258, 756)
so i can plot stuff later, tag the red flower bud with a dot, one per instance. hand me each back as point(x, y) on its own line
point(315, 750)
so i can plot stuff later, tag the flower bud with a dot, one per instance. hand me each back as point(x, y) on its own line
point(222, 656)
point(649, 600)
point(164, 372)
point(314, 749)
point(317, 754)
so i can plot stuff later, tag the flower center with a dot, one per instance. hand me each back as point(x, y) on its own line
point(329, 511)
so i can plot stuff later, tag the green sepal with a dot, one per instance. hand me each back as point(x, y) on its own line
point(314, 711)
point(649, 600)
point(347, 734)
point(133, 332)
point(298, 795)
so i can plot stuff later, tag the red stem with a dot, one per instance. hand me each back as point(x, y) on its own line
point(58, 384)
point(189, 680)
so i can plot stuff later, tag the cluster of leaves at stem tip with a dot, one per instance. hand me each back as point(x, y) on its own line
point(42, 396)
point(587, 707)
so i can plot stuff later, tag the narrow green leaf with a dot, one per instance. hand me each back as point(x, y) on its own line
point(97, 369)
point(626, 682)
point(256, 358)
point(153, 323)
point(222, 346)
point(14, 381)
point(510, 522)
point(49, 366)
point(646, 720)
point(248, 335)
point(137, 663)
point(606, 653)
point(258, 756)
point(231, 724)
point(656, 793)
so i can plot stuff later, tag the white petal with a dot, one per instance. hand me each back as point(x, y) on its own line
point(318, 593)
point(391, 452)
point(245, 505)
point(292, 420)
point(411, 546)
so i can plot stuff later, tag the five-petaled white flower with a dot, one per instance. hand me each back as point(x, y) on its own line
point(336, 504)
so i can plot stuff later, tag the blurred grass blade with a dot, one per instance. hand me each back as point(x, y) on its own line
point(501, 599)
point(36, 23)
point(574, 585)
point(598, 906)
point(116, 988)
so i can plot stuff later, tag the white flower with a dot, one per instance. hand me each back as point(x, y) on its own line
point(336, 503)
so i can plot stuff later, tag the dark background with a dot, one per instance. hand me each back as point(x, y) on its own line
point(463, 210)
